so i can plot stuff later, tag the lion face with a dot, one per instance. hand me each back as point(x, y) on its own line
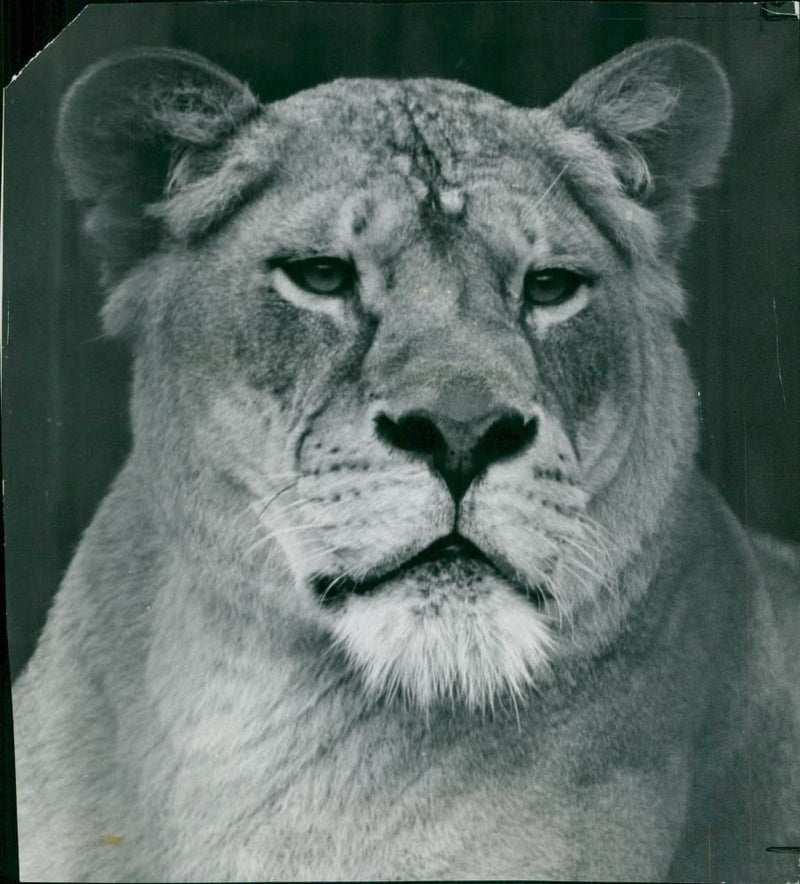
point(431, 348)
point(420, 333)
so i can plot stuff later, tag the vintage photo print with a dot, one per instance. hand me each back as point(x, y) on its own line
point(401, 449)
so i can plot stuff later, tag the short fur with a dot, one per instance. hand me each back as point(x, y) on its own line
point(612, 698)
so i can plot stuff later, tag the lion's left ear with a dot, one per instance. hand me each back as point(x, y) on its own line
point(663, 110)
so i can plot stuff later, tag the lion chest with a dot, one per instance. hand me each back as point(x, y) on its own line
point(446, 822)
point(248, 792)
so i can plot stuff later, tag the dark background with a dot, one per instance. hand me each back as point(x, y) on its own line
point(65, 424)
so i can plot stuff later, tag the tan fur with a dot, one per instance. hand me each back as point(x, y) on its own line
point(613, 697)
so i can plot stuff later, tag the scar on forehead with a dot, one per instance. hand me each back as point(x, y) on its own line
point(529, 216)
point(452, 201)
point(362, 214)
point(402, 163)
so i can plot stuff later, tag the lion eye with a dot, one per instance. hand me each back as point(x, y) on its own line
point(546, 288)
point(321, 276)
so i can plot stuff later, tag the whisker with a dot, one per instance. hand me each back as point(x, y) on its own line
point(330, 587)
point(272, 535)
point(315, 554)
point(307, 527)
point(275, 496)
point(550, 187)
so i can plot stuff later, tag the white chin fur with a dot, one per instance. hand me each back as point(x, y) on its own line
point(453, 646)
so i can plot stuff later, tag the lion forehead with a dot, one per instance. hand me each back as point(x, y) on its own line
point(419, 142)
point(435, 131)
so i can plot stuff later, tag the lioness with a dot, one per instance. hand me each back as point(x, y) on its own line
point(409, 573)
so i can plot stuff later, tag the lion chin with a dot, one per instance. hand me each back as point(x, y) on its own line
point(445, 627)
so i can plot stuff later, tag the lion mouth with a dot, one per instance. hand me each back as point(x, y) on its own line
point(451, 553)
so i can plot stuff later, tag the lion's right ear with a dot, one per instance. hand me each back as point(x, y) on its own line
point(124, 125)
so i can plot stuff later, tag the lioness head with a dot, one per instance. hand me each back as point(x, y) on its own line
point(406, 351)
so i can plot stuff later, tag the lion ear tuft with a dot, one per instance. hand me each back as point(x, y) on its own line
point(122, 126)
point(663, 110)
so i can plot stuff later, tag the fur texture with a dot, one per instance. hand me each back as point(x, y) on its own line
point(409, 573)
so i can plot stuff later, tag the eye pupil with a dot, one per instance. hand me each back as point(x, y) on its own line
point(321, 276)
point(550, 287)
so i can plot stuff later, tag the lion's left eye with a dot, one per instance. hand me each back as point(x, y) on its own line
point(321, 276)
point(547, 288)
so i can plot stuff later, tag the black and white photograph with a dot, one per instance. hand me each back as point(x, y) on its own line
point(401, 442)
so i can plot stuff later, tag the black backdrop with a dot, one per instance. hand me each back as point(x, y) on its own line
point(65, 425)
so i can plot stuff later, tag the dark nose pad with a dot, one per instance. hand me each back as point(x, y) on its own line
point(459, 450)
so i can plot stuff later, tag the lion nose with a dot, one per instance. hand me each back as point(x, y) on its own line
point(459, 450)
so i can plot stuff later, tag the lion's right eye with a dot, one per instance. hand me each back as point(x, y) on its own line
point(321, 276)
